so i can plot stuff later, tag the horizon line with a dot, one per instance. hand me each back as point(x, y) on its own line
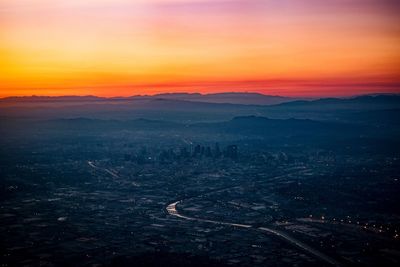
point(193, 93)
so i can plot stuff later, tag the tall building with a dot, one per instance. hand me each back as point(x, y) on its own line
point(208, 152)
point(231, 151)
point(197, 150)
point(217, 151)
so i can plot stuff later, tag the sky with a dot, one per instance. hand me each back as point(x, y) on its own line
point(122, 48)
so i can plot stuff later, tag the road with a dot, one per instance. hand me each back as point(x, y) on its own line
point(172, 210)
point(110, 172)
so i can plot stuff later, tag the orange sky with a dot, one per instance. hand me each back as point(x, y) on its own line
point(121, 47)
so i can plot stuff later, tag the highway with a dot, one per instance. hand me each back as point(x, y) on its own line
point(172, 210)
point(110, 172)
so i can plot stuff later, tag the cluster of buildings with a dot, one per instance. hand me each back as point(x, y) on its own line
point(184, 153)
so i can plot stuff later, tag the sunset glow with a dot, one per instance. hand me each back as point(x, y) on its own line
point(122, 47)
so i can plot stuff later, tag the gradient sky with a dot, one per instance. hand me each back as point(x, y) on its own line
point(122, 47)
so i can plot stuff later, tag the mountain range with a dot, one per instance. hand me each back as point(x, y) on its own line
point(231, 98)
point(377, 109)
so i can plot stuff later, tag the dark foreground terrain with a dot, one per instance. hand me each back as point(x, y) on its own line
point(301, 183)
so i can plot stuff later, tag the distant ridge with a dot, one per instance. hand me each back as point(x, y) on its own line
point(253, 125)
point(217, 98)
point(241, 98)
point(389, 100)
point(246, 98)
point(67, 98)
